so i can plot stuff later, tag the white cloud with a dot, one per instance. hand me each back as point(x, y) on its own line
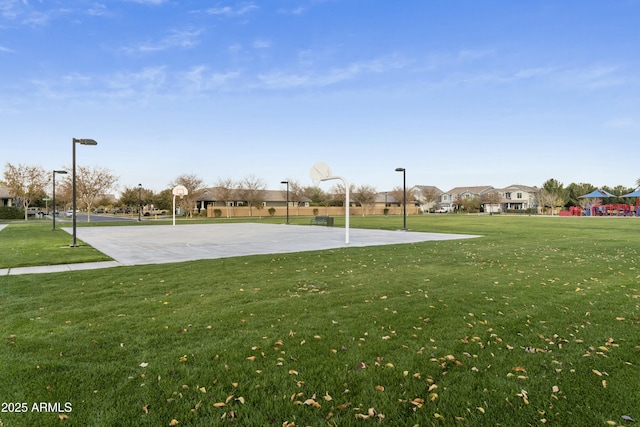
point(178, 38)
point(147, 1)
point(472, 55)
point(261, 44)
point(296, 11)
point(283, 79)
point(97, 9)
point(201, 79)
point(232, 11)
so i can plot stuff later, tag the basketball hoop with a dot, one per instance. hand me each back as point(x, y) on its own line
point(322, 172)
point(178, 190)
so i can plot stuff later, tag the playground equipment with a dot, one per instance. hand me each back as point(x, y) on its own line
point(611, 209)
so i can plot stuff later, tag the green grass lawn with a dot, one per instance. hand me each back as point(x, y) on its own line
point(537, 322)
point(33, 242)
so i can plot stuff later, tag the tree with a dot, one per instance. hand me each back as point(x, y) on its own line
point(429, 196)
point(92, 183)
point(225, 192)
point(251, 190)
point(398, 194)
point(134, 196)
point(574, 191)
point(193, 184)
point(491, 199)
point(554, 194)
point(296, 192)
point(317, 195)
point(618, 190)
point(26, 183)
point(365, 195)
point(338, 193)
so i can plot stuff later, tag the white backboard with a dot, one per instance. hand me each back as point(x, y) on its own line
point(320, 171)
point(180, 190)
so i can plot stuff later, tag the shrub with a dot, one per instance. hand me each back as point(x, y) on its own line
point(217, 213)
point(11, 212)
point(272, 211)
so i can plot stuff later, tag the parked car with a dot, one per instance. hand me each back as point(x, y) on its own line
point(69, 213)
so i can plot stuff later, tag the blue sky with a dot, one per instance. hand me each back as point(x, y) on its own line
point(459, 92)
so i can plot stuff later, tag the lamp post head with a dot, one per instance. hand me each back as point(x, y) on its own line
point(284, 182)
point(400, 169)
point(85, 141)
point(60, 172)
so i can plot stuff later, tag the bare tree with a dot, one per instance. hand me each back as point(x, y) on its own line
point(490, 199)
point(296, 193)
point(225, 192)
point(93, 183)
point(428, 196)
point(193, 184)
point(26, 183)
point(398, 194)
point(251, 190)
point(365, 195)
point(338, 194)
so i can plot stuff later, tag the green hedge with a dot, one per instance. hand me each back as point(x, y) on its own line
point(11, 212)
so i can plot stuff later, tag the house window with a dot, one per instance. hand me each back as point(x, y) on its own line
point(507, 195)
point(519, 195)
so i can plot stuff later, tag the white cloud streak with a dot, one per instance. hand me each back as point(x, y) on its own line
point(229, 11)
point(184, 39)
point(318, 78)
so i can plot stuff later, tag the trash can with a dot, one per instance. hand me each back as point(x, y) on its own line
point(329, 221)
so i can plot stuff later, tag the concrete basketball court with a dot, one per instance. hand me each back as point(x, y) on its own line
point(159, 244)
point(145, 244)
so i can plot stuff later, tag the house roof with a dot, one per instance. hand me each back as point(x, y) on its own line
point(428, 188)
point(213, 194)
point(516, 187)
point(385, 198)
point(4, 192)
point(472, 189)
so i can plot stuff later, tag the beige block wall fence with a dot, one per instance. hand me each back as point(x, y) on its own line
point(243, 211)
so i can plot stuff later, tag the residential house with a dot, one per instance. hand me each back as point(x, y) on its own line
point(519, 198)
point(6, 199)
point(427, 197)
point(454, 198)
point(270, 198)
point(385, 200)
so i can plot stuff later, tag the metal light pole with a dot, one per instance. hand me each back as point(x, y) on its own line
point(54, 196)
point(75, 141)
point(139, 202)
point(404, 188)
point(287, 182)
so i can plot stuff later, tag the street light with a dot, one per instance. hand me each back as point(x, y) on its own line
point(404, 189)
point(75, 141)
point(139, 201)
point(287, 182)
point(54, 196)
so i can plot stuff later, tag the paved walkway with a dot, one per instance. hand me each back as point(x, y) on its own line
point(145, 244)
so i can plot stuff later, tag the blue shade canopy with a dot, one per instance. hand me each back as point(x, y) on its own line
point(632, 194)
point(597, 194)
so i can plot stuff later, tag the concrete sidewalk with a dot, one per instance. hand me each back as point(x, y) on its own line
point(144, 244)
